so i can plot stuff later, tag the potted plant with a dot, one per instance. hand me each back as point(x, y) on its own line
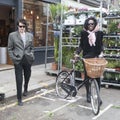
point(118, 30)
point(77, 30)
point(56, 49)
point(55, 10)
point(80, 69)
point(112, 28)
point(67, 54)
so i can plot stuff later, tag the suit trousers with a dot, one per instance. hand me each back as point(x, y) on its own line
point(22, 69)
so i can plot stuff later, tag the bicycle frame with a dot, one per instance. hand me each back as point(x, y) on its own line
point(72, 72)
point(65, 86)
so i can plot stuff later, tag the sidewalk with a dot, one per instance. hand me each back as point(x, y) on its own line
point(39, 79)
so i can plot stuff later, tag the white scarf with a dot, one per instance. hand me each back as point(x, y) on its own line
point(92, 38)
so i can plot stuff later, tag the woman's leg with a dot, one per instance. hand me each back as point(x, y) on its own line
point(99, 82)
point(99, 85)
point(87, 85)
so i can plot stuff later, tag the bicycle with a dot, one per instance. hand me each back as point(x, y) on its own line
point(65, 81)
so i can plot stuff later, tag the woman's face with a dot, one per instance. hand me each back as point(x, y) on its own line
point(91, 25)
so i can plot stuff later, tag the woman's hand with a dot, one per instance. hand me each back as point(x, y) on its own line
point(76, 56)
point(101, 55)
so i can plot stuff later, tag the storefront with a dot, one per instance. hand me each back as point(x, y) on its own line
point(9, 11)
point(34, 11)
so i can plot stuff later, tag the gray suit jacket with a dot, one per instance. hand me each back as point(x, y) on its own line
point(16, 47)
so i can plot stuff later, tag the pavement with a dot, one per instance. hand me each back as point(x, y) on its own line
point(39, 79)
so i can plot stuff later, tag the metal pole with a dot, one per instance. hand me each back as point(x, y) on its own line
point(46, 36)
point(101, 2)
point(108, 6)
point(60, 41)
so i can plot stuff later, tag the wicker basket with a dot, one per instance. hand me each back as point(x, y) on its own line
point(95, 66)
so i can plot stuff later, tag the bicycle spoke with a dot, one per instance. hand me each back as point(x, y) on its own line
point(62, 81)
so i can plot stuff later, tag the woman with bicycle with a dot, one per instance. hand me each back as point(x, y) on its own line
point(91, 45)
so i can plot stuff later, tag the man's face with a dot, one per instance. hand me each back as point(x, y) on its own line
point(21, 28)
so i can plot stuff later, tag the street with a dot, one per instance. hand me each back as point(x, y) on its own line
point(44, 104)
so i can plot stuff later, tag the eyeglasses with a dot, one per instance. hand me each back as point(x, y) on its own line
point(90, 23)
point(21, 26)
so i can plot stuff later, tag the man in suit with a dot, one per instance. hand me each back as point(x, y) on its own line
point(20, 49)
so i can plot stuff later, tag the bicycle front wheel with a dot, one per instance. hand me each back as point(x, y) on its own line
point(95, 97)
point(62, 80)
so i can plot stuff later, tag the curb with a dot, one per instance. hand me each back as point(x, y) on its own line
point(46, 86)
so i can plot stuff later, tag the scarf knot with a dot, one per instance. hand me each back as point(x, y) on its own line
point(92, 38)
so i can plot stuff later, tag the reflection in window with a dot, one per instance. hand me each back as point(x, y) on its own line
point(36, 15)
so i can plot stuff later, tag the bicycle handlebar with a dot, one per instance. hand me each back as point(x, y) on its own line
point(75, 60)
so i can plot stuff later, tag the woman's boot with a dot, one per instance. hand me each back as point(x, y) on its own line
point(88, 91)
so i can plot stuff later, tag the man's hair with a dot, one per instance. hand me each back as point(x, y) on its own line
point(23, 21)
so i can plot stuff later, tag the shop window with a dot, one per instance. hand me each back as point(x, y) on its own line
point(35, 14)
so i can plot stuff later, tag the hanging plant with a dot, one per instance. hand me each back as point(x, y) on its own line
point(55, 10)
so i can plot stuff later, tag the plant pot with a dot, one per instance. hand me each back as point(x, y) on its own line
point(3, 54)
point(54, 66)
point(82, 75)
point(117, 69)
point(118, 33)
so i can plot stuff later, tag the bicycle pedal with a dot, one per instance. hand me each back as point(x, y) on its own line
point(73, 94)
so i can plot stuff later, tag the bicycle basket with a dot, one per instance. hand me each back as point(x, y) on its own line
point(95, 66)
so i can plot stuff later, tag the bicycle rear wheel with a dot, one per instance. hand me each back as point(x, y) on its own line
point(95, 97)
point(62, 81)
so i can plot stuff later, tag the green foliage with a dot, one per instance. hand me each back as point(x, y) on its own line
point(78, 29)
point(55, 10)
point(79, 65)
point(109, 42)
point(67, 54)
point(113, 63)
point(108, 75)
point(112, 27)
point(118, 26)
point(56, 49)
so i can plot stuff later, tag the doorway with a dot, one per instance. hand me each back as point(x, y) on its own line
point(7, 25)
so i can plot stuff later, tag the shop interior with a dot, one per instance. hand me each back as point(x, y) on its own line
point(6, 23)
point(6, 26)
point(36, 16)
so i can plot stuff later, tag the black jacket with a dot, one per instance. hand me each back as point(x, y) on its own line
point(90, 51)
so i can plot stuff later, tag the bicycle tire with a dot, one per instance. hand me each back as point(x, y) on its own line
point(95, 96)
point(62, 78)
